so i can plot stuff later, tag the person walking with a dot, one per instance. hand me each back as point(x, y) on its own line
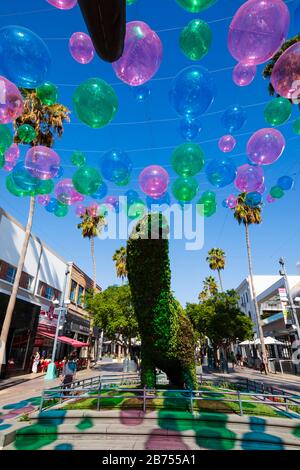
point(35, 363)
point(68, 373)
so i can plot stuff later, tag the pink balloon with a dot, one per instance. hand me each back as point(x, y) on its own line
point(66, 193)
point(262, 189)
point(80, 210)
point(231, 201)
point(44, 199)
point(63, 4)
point(249, 178)
point(142, 54)
point(285, 76)
point(243, 74)
point(93, 209)
point(81, 48)
point(154, 181)
point(112, 203)
point(270, 199)
point(12, 154)
point(11, 101)
point(227, 143)
point(9, 166)
point(265, 146)
point(257, 30)
point(42, 162)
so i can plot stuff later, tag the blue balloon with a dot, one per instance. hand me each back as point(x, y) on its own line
point(23, 179)
point(234, 118)
point(101, 191)
point(189, 129)
point(192, 91)
point(142, 93)
point(24, 57)
point(220, 173)
point(224, 203)
point(163, 201)
point(132, 196)
point(253, 199)
point(115, 166)
point(285, 183)
point(52, 205)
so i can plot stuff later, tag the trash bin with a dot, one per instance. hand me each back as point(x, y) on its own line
point(126, 365)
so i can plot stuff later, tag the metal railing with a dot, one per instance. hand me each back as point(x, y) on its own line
point(189, 396)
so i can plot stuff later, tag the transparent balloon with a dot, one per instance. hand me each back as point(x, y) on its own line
point(136, 210)
point(285, 76)
point(189, 128)
point(253, 199)
point(278, 111)
point(78, 159)
point(86, 180)
point(47, 93)
point(112, 203)
point(66, 193)
point(195, 39)
point(63, 4)
point(249, 178)
point(185, 189)
point(81, 48)
point(11, 101)
point(12, 154)
point(80, 210)
point(227, 143)
point(142, 54)
point(243, 74)
point(234, 118)
point(286, 183)
point(6, 138)
point(43, 200)
point(26, 133)
point(115, 166)
point(265, 146)
point(195, 6)
point(153, 181)
point(276, 192)
point(188, 159)
point(42, 162)
point(221, 172)
point(101, 191)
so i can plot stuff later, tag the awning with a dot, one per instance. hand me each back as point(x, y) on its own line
point(65, 339)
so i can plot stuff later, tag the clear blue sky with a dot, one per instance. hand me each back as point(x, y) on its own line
point(280, 231)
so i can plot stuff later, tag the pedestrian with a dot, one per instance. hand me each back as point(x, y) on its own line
point(35, 363)
point(262, 367)
point(68, 373)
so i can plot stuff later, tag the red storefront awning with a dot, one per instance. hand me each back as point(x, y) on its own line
point(64, 339)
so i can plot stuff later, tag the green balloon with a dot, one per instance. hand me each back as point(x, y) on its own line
point(95, 102)
point(185, 189)
point(86, 180)
point(61, 210)
point(6, 138)
point(26, 133)
point(78, 159)
point(276, 192)
point(47, 93)
point(188, 159)
point(16, 190)
point(206, 207)
point(130, 2)
point(208, 196)
point(124, 182)
point(278, 111)
point(195, 6)
point(2, 160)
point(45, 187)
point(136, 210)
point(296, 126)
point(195, 39)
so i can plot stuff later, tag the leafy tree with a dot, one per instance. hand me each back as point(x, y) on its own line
point(216, 261)
point(210, 288)
point(48, 122)
point(119, 258)
point(247, 216)
point(113, 311)
point(221, 320)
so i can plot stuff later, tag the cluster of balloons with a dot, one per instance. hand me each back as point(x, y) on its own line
point(95, 102)
point(265, 146)
point(81, 48)
point(195, 39)
point(256, 32)
point(188, 159)
point(207, 204)
point(21, 183)
point(116, 166)
point(24, 57)
point(153, 181)
point(142, 54)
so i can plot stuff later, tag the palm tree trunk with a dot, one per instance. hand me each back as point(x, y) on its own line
point(94, 290)
point(94, 263)
point(220, 280)
point(258, 320)
point(15, 287)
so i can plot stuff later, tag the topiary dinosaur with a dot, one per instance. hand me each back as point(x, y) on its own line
point(167, 335)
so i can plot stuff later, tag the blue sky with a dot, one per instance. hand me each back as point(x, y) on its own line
point(149, 132)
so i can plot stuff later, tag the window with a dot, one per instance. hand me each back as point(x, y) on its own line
point(10, 274)
point(49, 293)
point(247, 299)
point(73, 291)
point(80, 295)
point(26, 281)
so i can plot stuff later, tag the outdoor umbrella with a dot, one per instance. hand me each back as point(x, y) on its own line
point(269, 341)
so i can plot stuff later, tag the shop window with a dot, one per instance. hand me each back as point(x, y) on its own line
point(80, 295)
point(73, 291)
point(48, 292)
point(10, 274)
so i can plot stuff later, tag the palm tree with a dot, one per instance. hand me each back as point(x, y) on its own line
point(210, 285)
point(216, 261)
point(247, 216)
point(119, 258)
point(91, 227)
point(48, 122)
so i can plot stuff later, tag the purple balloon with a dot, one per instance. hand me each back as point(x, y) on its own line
point(153, 181)
point(12, 154)
point(81, 48)
point(9, 166)
point(63, 4)
point(286, 74)
point(44, 199)
point(142, 54)
point(265, 146)
point(257, 30)
point(93, 209)
point(42, 162)
point(66, 193)
point(11, 101)
point(80, 210)
point(249, 178)
point(112, 202)
point(270, 199)
point(243, 74)
point(227, 143)
point(231, 201)
point(262, 189)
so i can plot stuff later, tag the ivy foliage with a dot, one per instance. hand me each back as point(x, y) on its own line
point(168, 340)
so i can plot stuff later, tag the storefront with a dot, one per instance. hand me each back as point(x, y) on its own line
point(78, 329)
point(21, 336)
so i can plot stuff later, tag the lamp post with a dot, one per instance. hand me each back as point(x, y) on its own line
point(51, 369)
